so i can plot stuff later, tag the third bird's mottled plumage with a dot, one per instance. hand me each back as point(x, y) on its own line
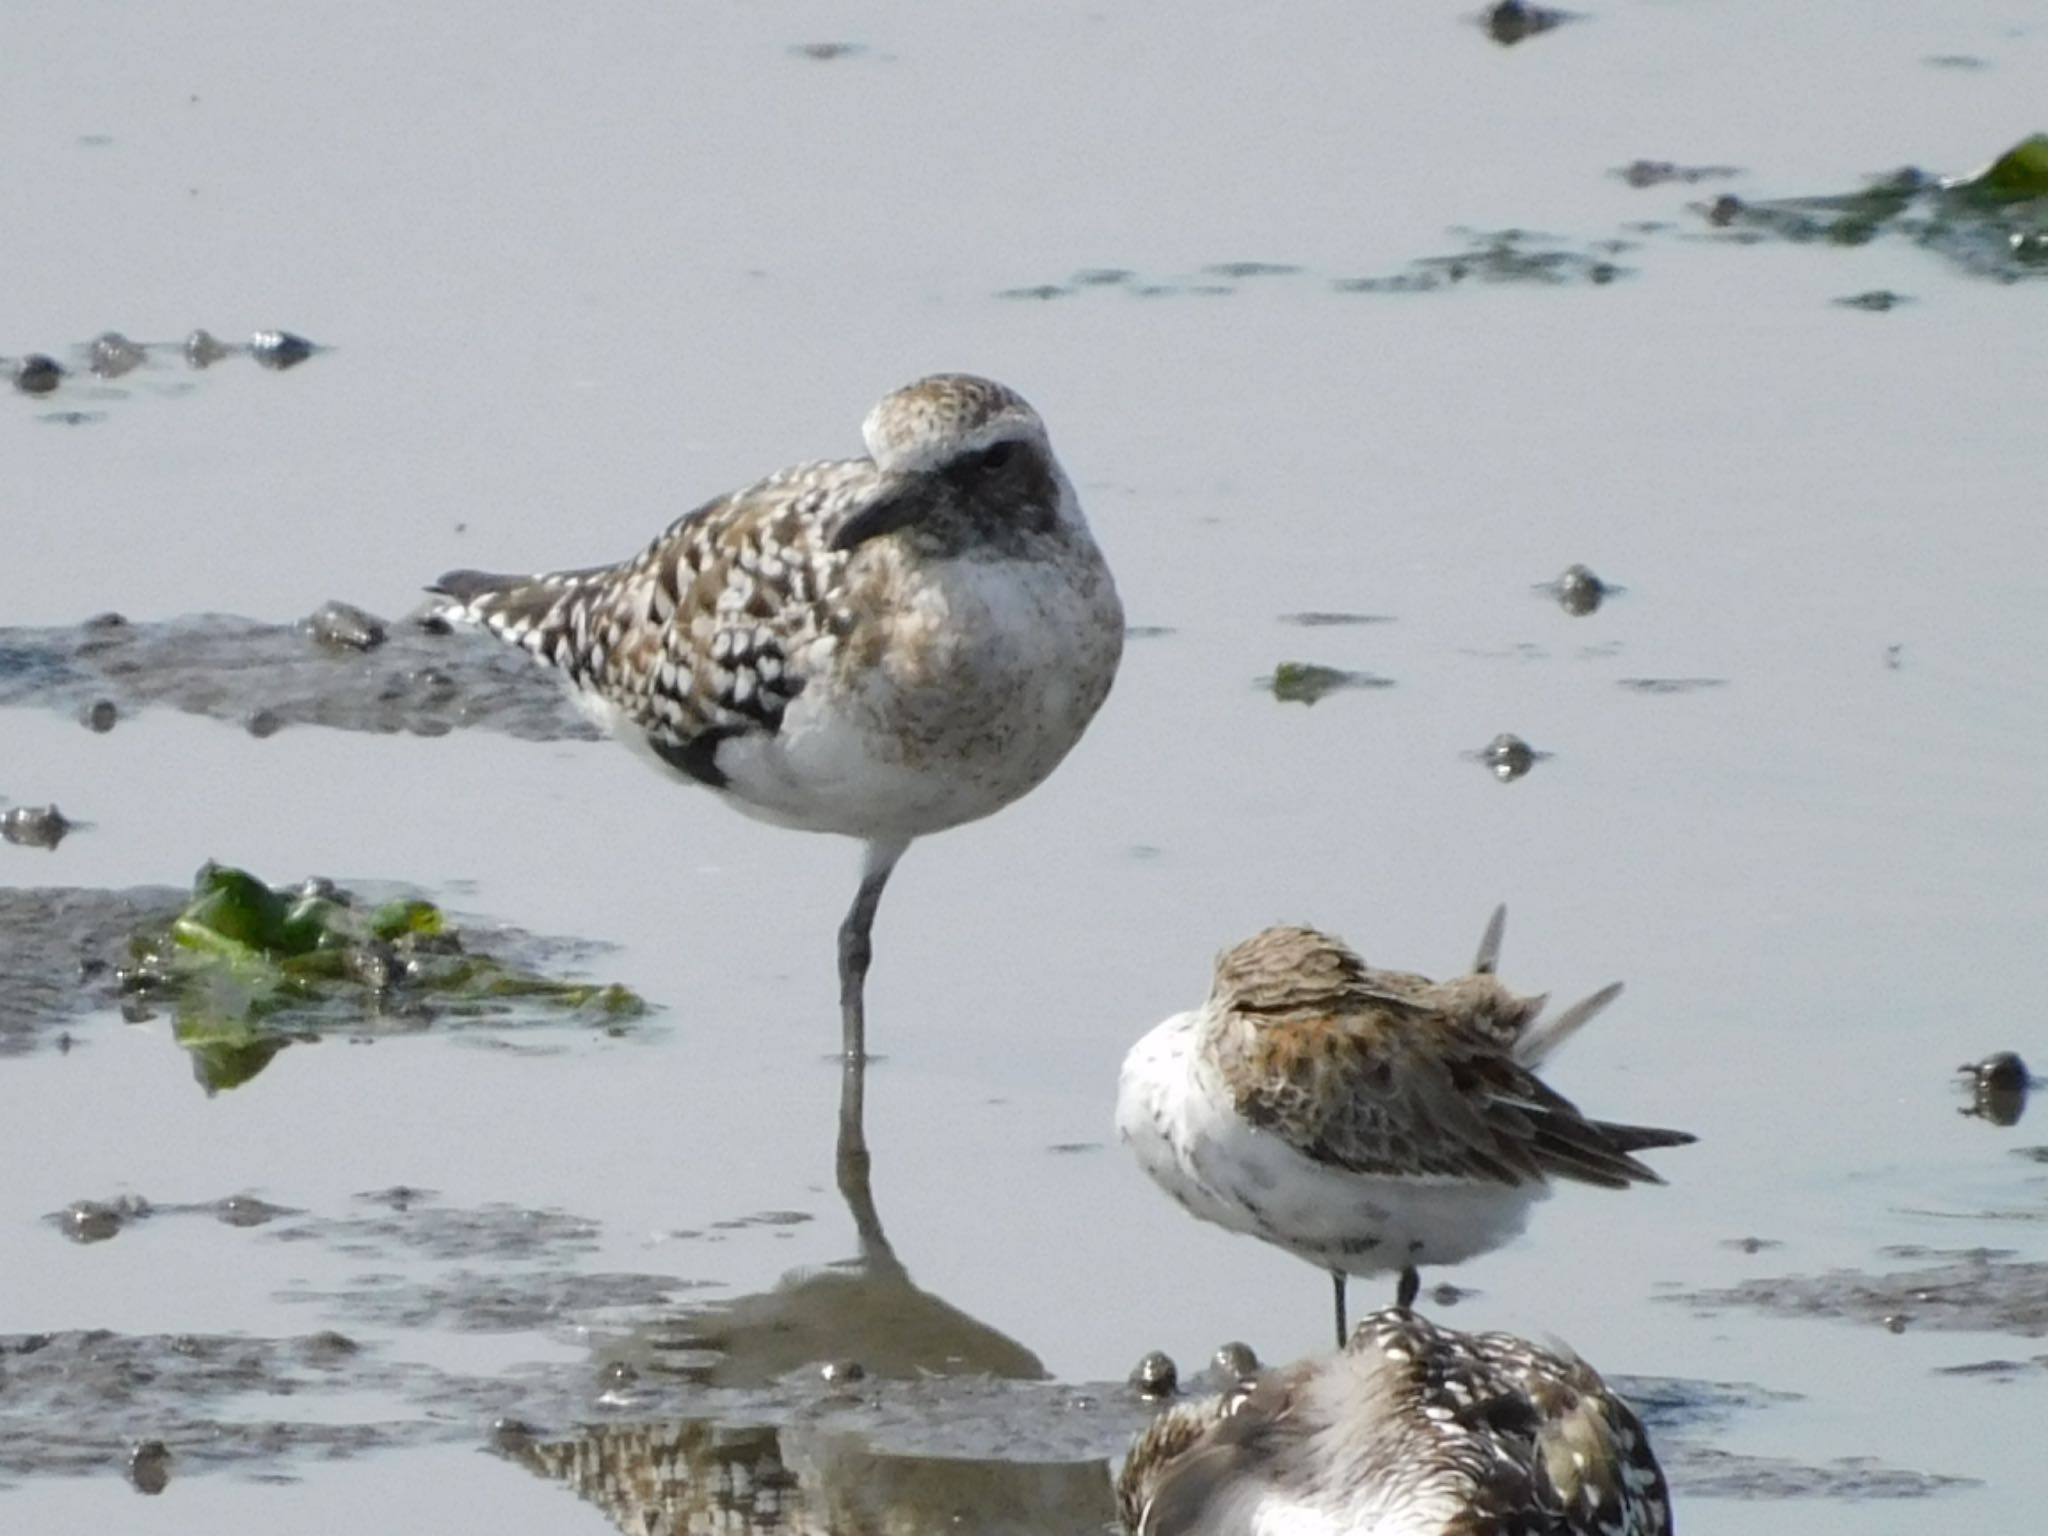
point(1409, 1430)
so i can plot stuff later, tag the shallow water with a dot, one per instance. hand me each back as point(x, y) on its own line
point(576, 277)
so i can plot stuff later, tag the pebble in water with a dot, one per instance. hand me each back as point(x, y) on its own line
point(344, 627)
point(1998, 1087)
point(1235, 1360)
point(37, 374)
point(1156, 1375)
point(1510, 21)
point(110, 354)
point(1579, 591)
point(248, 1211)
point(328, 1347)
point(1508, 757)
point(149, 1466)
point(279, 349)
point(94, 1221)
point(203, 349)
point(34, 826)
point(512, 1435)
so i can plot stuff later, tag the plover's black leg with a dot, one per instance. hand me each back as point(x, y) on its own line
point(857, 949)
point(1409, 1288)
point(1337, 1283)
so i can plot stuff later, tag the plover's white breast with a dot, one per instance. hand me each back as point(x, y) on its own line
point(970, 683)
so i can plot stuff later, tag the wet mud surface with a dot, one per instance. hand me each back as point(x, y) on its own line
point(577, 1352)
point(1973, 1290)
point(339, 667)
point(847, 1393)
point(845, 1383)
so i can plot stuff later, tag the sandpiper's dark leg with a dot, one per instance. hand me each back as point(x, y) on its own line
point(1337, 1282)
point(856, 948)
point(1409, 1289)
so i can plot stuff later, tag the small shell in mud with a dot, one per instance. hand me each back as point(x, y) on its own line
point(1156, 1375)
point(149, 1466)
point(203, 349)
point(1998, 1087)
point(1578, 590)
point(279, 350)
point(1510, 21)
point(94, 1221)
point(1235, 1361)
point(344, 627)
point(35, 826)
point(110, 354)
point(1507, 757)
point(512, 1435)
point(37, 374)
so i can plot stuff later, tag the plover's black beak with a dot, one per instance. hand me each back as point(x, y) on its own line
point(896, 507)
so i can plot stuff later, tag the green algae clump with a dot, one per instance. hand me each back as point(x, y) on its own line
point(248, 969)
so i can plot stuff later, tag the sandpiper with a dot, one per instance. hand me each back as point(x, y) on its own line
point(1368, 1121)
point(881, 647)
point(1410, 1430)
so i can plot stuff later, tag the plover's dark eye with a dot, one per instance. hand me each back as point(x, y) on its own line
point(999, 456)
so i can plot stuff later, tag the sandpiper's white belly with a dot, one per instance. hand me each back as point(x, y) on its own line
point(1176, 1114)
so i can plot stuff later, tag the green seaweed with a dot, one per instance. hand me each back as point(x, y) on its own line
point(1306, 682)
point(248, 969)
point(2015, 176)
point(1993, 224)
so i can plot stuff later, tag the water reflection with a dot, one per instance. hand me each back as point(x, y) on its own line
point(865, 1309)
point(697, 1475)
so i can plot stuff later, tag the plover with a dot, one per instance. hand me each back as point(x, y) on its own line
point(1368, 1121)
point(1409, 1430)
point(882, 647)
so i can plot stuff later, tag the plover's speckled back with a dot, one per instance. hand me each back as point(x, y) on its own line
point(1367, 1121)
point(1409, 1430)
point(881, 647)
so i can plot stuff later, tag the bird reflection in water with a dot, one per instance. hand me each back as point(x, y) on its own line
point(676, 1475)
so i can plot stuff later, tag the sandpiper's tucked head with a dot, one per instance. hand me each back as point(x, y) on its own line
point(1282, 970)
point(968, 466)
